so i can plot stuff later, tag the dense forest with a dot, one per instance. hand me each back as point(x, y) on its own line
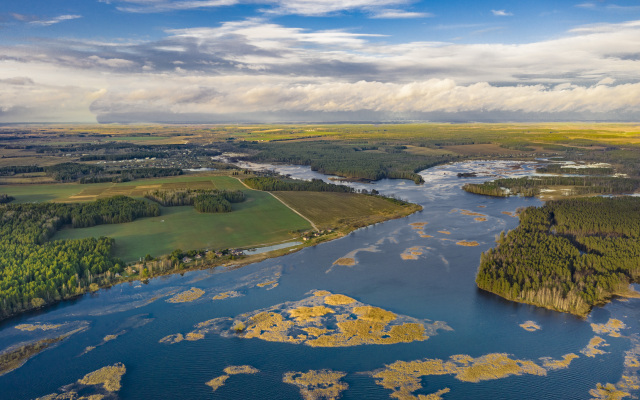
point(568, 255)
point(209, 201)
point(531, 186)
point(279, 184)
point(569, 169)
point(358, 161)
point(35, 271)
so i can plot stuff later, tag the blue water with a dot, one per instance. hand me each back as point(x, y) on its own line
point(438, 286)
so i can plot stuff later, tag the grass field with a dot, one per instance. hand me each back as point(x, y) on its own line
point(74, 192)
point(330, 210)
point(260, 219)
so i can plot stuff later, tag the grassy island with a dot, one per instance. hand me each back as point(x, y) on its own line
point(568, 255)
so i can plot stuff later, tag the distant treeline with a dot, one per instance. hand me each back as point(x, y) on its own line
point(568, 255)
point(530, 186)
point(356, 161)
point(88, 173)
point(123, 156)
point(567, 169)
point(35, 271)
point(126, 175)
point(20, 169)
point(209, 201)
point(272, 184)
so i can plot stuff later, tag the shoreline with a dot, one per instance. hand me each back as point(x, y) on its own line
point(230, 264)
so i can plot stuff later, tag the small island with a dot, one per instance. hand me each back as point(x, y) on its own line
point(568, 255)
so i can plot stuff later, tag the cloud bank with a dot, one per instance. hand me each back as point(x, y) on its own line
point(255, 67)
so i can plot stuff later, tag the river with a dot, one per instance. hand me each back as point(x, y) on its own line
point(414, 268)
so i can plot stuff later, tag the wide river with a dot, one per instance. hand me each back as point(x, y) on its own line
point(466, 344)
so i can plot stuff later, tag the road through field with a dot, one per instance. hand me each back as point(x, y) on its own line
point(285, 204)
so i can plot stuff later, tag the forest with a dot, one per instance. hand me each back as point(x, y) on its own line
point(272, 184)
point(569, 169)
point(209, 201)
point(568, 255)
point(36, 271)
point(528, 187)
point(361, 161)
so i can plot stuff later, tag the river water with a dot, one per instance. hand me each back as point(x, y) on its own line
point(417, 272)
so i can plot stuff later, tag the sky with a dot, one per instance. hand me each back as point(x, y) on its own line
point(221, 61)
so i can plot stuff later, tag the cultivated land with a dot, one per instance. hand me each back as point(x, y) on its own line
point(329, 210)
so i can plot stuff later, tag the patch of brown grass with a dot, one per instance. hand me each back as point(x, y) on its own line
point(109, 377)
point(322, 384)
point(345, 261)
point(593, 348)
point(530, 326)
point(187, 296)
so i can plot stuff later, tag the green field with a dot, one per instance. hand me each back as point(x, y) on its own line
point(331, 210)
point(75, 192)
point(259, 220)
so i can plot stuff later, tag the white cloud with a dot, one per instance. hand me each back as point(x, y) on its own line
point(394, 13)
point(375, 8)
point(256, 66)
point(55, 20)
point(501, 13)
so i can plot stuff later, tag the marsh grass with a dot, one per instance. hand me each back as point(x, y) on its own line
point(218, 382)
point(608, 392)
point(530, 326)
point(322, 320)
point(593, 348)
point(612, 327)
point(227, 295)
point(109, 377)
point(34, 327)
point(405, 377)
point(187, 296)
point(307, 314)
point(551, 364)
point(467, 244)
point(240, 369)
point(321, 384)
point(345, 261)
point(337, 299)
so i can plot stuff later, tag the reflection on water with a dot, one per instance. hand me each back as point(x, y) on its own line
point(394, 278)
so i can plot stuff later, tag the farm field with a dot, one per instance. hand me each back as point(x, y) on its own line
point(259, 220)
point(330, 210)
point(74, 192)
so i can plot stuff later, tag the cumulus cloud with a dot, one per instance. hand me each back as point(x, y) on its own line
point(255, 66)
point(55, 20)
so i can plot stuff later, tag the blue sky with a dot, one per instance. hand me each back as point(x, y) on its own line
point(303, 60)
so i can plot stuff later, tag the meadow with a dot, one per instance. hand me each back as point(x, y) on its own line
point(330, 210)
point(260, 219)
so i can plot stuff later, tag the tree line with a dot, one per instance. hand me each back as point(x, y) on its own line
point(209, 201)
point(273, 184)
point(568, 169)
point(530, 186)
point(35, 271)
point(568, 255)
